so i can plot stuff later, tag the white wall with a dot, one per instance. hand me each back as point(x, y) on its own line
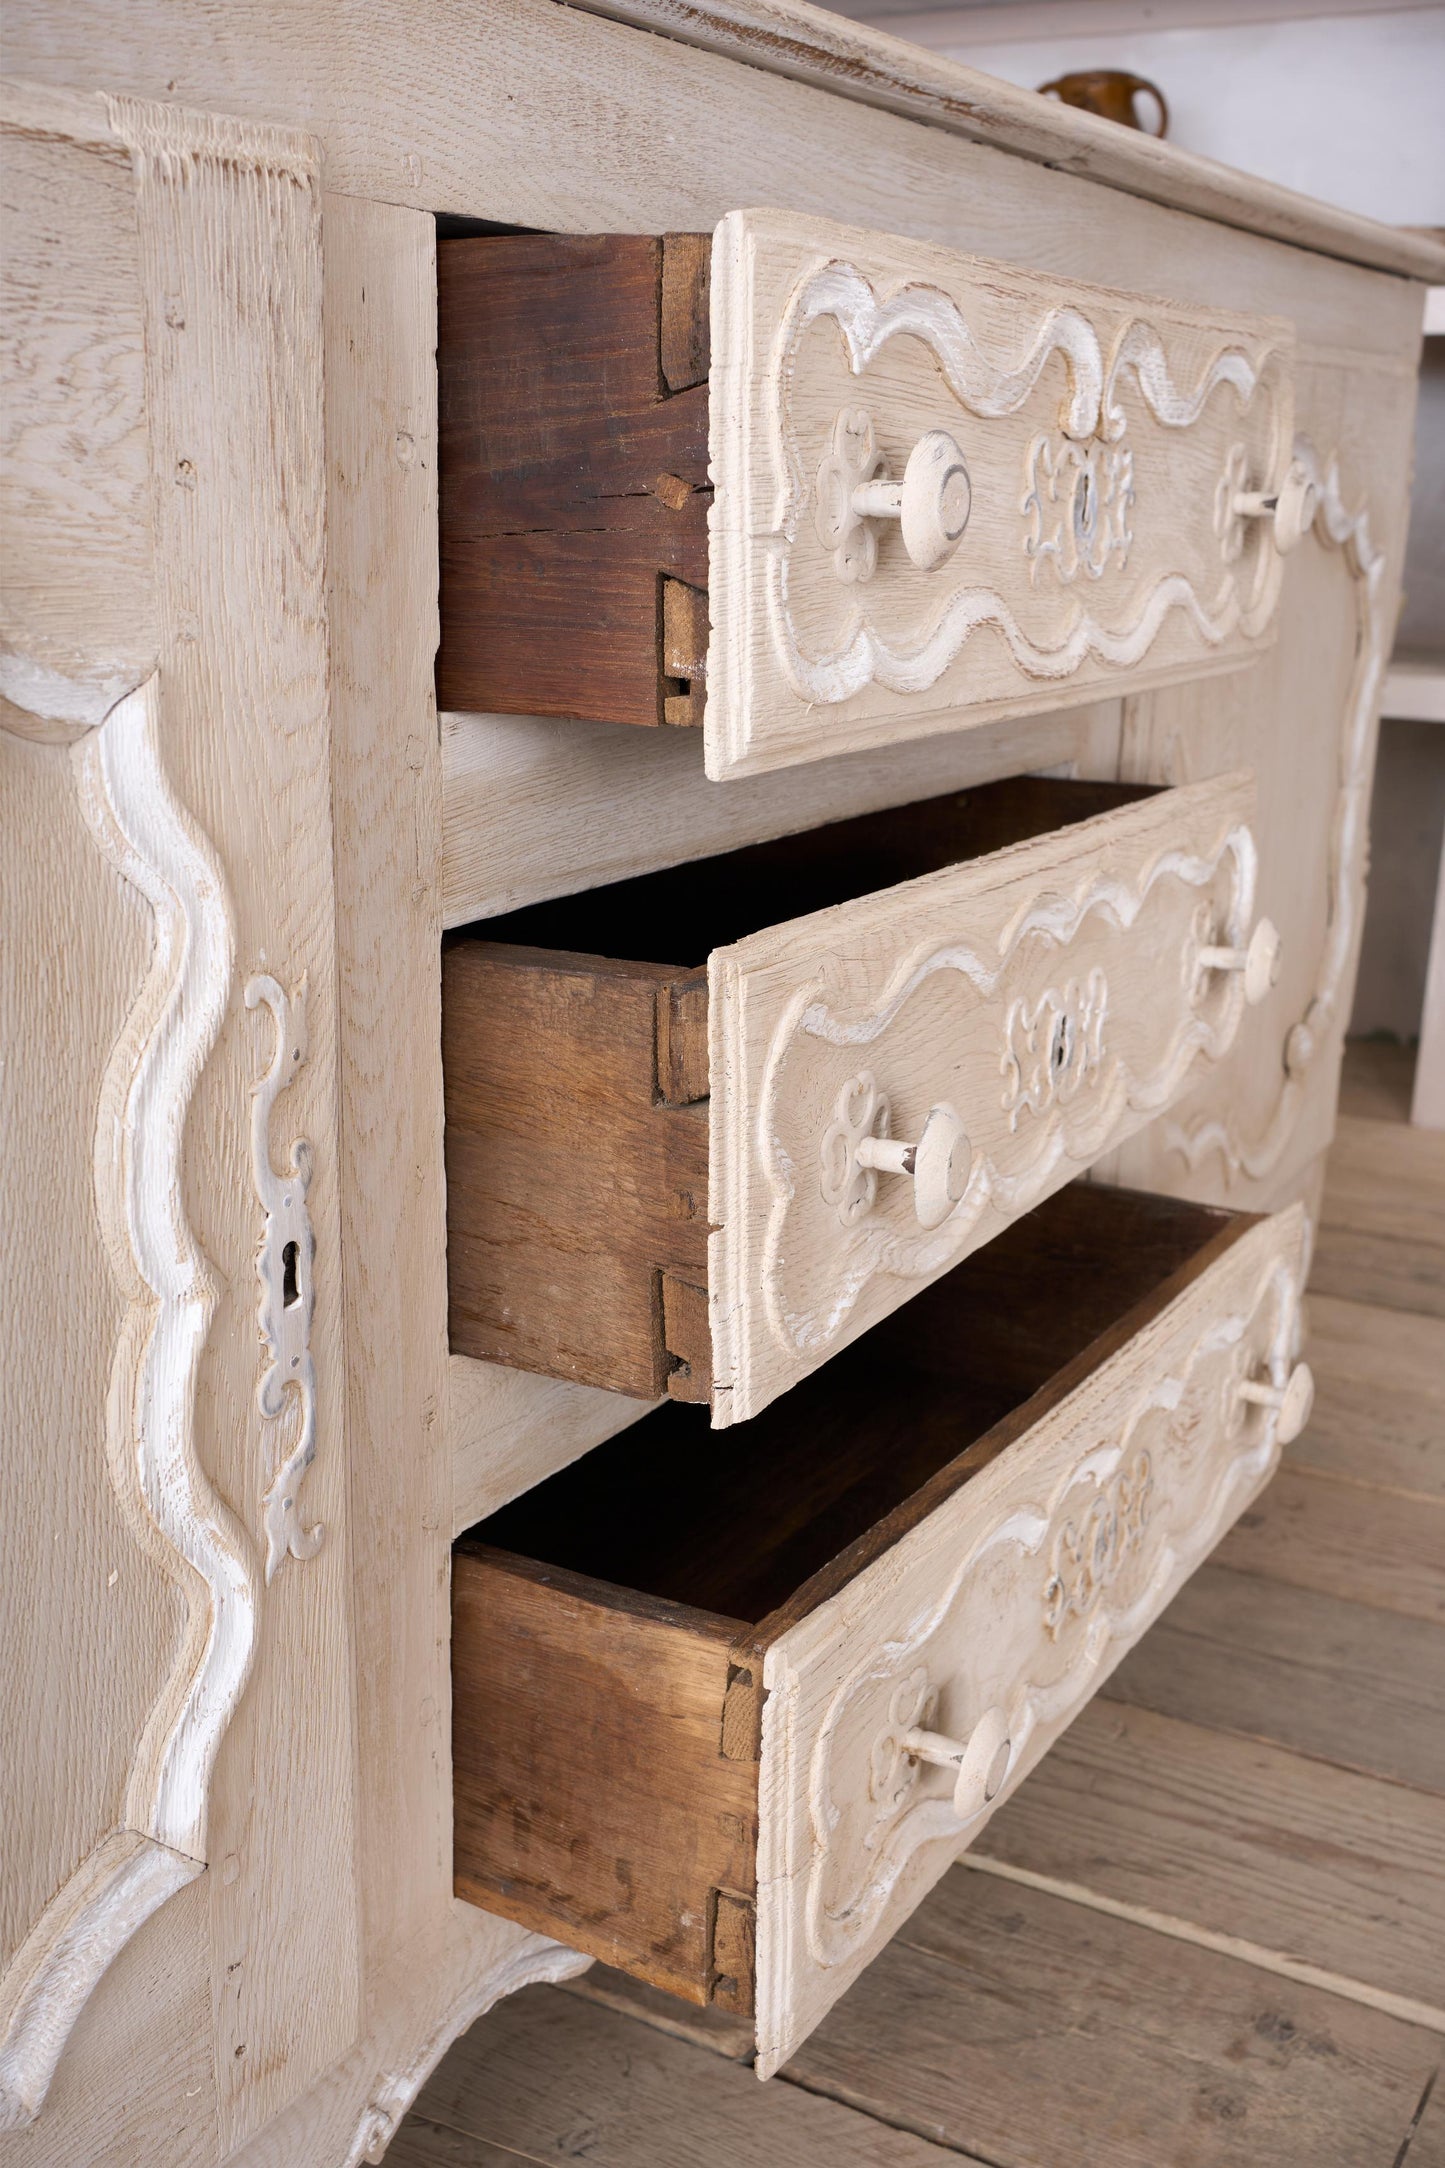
point(1350, 108)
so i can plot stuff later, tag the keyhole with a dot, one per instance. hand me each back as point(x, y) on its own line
point(1084, 508)
point(290, 1292)
point(1060, 1054)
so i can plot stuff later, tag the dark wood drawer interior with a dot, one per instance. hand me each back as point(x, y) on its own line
point(574, 492)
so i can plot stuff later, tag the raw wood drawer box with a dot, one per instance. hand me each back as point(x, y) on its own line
point(721, 1717)
point(704, 1127)
point(946, 489)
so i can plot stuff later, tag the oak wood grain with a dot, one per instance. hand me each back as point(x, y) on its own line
point(1344, 1682)
point(1030, 2030)
point(1314, 1533)
point(1379, 1413)
point(572, 460)
point(593, 1800)
point(1382, 1231)
point(1339, 1871)
point(550, 2078)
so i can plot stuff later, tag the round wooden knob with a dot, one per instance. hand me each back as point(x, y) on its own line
point(932, 502)
point(1291, 507)
point(1295, 508)
point(937, 499)
point(1259, 962)
point(941, 1167)
point(1293, 1402)
point(981, 1760)
point(939, 1163)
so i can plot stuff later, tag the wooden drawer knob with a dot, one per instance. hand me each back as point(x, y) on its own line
point(981, 1760)
point(1292, 1401)
point(1292, 507)
point(939, 1164)
point(1259, 961)
point(932, 502)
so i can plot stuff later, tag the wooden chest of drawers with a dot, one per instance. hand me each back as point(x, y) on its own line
point(238, 1447)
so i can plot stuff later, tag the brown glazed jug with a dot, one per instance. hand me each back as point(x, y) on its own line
point(1110, 91)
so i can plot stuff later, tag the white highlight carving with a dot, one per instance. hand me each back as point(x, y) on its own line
point(285, 1268)
point(863, 655)
point(1088, 1553)
point(169, 1295)
point(1073, 1128)
point(861, 1111)
point(1169, 1429)
point(529, 1962)
point(1349, 531)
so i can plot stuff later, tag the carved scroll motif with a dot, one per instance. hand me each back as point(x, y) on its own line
point(1053, 1047)
point(1254, 1157)
point(1088, 1553)
point(1085, 471)
point(1079, 1560)
point(285, 1267)
point(1076, 501)
point(169, 1294)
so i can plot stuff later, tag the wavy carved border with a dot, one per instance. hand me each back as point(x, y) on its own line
point(169, 1293)
point(991, 389)
point(835, 1933)
point(1076, 1129)
point(1349, 531)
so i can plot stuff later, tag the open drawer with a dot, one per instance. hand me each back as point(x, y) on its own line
point(816, 489)
point(705, 1127)
point(723, 1714)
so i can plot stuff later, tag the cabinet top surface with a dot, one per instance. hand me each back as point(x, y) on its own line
point(857, 60)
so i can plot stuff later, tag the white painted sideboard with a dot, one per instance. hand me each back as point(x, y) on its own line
point(235, 1448)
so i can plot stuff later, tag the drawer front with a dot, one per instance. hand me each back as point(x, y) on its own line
point(1005, 1022)
point(948, 489)
point(989, 1625)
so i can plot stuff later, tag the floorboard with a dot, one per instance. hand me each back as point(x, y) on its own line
point(1339, 1681)
point(1382, 1228)
point(1383, 1549)
point(1379, 1414)
point(1035, 2033)
point(1311, 1865)
point(554, 2078)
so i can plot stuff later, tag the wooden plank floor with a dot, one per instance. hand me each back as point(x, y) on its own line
point(1209, 1931)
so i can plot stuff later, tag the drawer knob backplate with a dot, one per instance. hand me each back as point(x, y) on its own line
point(981, 1760)
point(932, 502)
point(1293, 1401)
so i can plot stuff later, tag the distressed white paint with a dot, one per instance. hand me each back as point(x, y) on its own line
point(921, 985)
point(815, 324)
point(1337, 526)
point(983, 1621)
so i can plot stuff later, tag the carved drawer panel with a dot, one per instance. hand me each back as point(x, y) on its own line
point(722, 1718)
point(879, 1043)
point(945, 489)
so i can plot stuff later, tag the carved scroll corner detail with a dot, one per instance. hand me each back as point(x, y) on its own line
point(285, 1268)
